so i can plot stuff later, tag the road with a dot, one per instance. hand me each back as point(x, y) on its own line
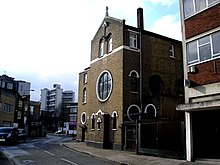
point(48, 150)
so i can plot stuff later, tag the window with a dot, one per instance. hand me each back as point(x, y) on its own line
point(110, 45)
point(133, 81)
point(85, 76)
point(9, 85)
point(215, 42)
point(84, 95)
point(203, 49)
point(0, 106)
point(83, 118)
point(73, 117)
point(8, 108)
point(104, 86)
point(5, 108)
point(99, 124)
point(93, 121)
point(133, 40)
point(194, 6)
point(101, 48)
point(172, 51)
point(3, 84)
point(114, 120)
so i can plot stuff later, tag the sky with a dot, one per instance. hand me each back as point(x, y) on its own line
point(48, 42)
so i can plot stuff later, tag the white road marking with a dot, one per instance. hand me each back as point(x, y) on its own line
point(48, 152)
point(68, 161)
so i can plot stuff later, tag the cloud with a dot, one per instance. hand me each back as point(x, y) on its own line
point(162, 2)
point(169, 26)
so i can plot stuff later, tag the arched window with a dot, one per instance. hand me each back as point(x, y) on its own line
point(101, 48)
point(84, 95)
point(99, 124)
point(114, 120)
point(83, 118)
point(109, 44)
point(134, 81)
point(93, 121)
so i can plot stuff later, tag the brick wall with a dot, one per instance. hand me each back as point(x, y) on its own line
point(206, 73)
point(202, 22)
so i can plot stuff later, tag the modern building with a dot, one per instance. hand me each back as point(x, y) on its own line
point(51, 98)
point(54, 102)
point(128, 95)
point(201, 51)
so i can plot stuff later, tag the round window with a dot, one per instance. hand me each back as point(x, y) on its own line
point(83, 118)
point(104, 86)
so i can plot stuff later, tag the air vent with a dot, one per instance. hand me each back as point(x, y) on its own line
point(192, 69)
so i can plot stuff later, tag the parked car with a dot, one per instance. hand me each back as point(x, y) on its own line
point(22, 136)
point(8, 135)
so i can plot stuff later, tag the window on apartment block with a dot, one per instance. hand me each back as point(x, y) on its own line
point(203, 49)
point(93, 121)
point(114, 120)
point(133, 40)
point(0, 106)
point(104, 86)
point(134, 81)
point(194, 6)
point(101, 48)
point(110, 44)
point(84, 95)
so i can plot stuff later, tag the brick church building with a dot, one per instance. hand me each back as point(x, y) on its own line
point(128, 95)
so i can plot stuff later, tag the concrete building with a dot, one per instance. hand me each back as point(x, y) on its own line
point(201, 51)
point(128, 95)
point(51, 98)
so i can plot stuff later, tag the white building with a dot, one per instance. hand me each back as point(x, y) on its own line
point(51, 98)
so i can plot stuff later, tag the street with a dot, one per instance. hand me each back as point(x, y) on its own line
point(47, 150)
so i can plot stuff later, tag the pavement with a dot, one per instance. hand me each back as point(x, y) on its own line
point(130, 158)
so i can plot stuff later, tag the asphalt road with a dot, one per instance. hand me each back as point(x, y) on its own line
point(48, 150)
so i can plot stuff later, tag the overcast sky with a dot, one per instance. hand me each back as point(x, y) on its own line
point(49, 41)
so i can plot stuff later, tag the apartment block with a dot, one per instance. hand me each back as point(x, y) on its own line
point(201, 61)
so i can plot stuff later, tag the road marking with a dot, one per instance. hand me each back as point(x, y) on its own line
point(48, 152)
point(68, 161)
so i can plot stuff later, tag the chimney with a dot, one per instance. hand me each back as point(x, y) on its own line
point(140, 19)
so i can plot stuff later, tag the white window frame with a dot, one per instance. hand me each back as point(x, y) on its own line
point(84, 96)
point(116, 116)
point(194, 8)
point(81, 118)
point(85, 78)
point(172, 51)
point(198, 60)
point(101, 48)
point(97, 86)
point(133, 40)
point(110, 45)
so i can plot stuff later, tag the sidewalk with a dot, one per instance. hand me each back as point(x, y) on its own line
point(130, 158)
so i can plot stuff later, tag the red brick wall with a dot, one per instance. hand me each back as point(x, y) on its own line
point(206, 73)
point(202, 22)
